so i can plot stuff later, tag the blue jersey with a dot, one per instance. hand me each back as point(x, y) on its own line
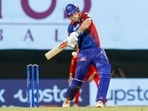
point(89, 38)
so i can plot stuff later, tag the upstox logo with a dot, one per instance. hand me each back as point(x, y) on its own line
point(46, 95)
point(131, 96)
point(124, 91)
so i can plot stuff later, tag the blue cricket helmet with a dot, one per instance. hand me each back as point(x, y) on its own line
point(71, 8)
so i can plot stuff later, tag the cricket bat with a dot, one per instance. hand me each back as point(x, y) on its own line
point(56, 50)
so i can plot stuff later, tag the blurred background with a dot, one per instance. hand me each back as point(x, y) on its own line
point(29, 28)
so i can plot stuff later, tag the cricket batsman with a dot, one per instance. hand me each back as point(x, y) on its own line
point(82, 32)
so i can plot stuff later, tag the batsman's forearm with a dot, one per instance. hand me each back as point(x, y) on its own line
point(85, 25)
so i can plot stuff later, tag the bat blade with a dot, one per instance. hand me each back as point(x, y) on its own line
point(56, 50)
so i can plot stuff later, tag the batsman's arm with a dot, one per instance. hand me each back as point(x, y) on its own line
point(85, 25)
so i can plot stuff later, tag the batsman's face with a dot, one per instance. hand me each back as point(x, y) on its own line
point(74, 16)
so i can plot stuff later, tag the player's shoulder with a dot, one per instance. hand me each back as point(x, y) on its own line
point(70, 28)
point(85, 15)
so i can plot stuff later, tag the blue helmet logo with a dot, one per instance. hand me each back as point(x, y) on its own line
point(71, 8)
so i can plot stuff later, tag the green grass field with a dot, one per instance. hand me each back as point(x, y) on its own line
point(118, 108)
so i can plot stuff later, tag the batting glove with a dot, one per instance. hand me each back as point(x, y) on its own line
point(74, 34)
point(72, 39)
point(70, 43)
